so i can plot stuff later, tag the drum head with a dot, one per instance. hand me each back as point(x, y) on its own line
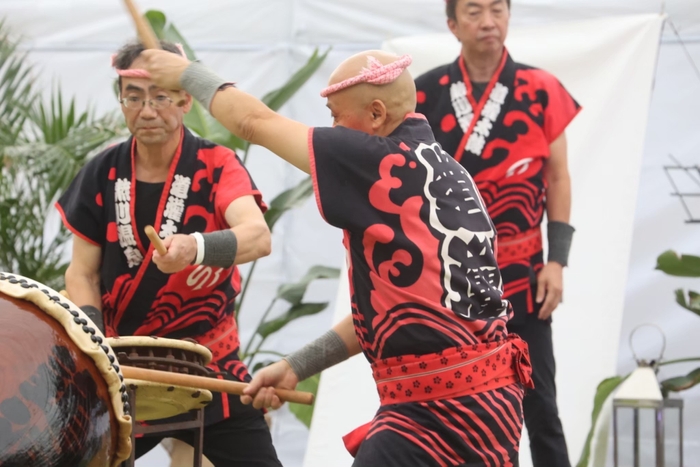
point(118, 343)
point(155, 401)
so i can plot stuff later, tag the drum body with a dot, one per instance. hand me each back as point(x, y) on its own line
point(62, 400)
point(157, 401)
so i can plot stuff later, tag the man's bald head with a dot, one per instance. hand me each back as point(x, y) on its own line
point(370, 77)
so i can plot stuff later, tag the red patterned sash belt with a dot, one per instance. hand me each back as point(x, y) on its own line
point(452, 373)
point(520, 246)
point(455, 372)
point(222, 340)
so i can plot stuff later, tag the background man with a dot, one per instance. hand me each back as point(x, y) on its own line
point(504, 122)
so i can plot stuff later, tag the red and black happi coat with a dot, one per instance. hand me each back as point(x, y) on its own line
point(423, 274)
point(503, 141)
point(426, 293)
point(138, 299)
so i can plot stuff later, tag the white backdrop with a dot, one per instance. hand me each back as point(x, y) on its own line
point(614, 89)
point(259, 44)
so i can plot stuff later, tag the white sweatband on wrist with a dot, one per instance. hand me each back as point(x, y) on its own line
point(200, 248)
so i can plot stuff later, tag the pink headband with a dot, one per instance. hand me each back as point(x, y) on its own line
point(374, 73)
point(139, 73)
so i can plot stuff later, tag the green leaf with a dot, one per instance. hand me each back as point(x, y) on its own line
point(277, 98)
point(297, 311)
point(261, 365)
point(157, 21)
point(674, 265)
point(289, 199)
point(681, 383)
point(294, 293)
point(305, 412)
point(203, 124)
point(270, 352)
point(692, 303)
point(172, 34)
point(605, 388)
point(234, 142)
point(55, 121)
point(196, 120)
point(167, 31)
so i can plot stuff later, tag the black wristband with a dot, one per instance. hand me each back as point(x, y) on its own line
point(220, 248)
point(559, 236)
point(95, 315)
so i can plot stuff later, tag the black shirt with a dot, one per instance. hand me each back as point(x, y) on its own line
point(423, 272)
point(147, 198)
point(478, 90)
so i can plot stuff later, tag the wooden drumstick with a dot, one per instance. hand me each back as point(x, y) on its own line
point(156, 240)
point(211, 384)
point(147, 36)
point(143, 29)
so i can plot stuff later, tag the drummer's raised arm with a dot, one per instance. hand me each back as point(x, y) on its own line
point(250, 119)
point(241, 114)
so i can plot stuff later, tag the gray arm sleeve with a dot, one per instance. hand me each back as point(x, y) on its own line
point(324, 352)
point(220, 248)
point(559, 236)
point(201, 83)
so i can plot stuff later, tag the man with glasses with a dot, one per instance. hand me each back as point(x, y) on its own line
point(205, 206)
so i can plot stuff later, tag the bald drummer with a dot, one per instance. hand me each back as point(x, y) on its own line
point(427, 305)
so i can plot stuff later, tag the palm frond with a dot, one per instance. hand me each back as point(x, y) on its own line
point(54, 121)
point(43, 145)
point(17, 93)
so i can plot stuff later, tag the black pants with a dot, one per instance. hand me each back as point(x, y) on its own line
point(547, 442)
point(239, 441)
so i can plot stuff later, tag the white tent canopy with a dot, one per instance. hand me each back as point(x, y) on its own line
point(259, 44)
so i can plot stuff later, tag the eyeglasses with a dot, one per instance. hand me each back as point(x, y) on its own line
point(134, 102)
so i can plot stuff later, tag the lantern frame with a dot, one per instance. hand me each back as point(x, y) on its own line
point(659, 427)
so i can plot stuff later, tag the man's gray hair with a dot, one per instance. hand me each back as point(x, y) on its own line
point(451, 8)
point(130, 52)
